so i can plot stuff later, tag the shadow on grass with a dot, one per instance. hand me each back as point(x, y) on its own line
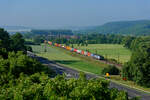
point(66, 61)
point(47, 61)
point(36, 52)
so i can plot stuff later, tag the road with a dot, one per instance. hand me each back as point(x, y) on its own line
point(59, 69)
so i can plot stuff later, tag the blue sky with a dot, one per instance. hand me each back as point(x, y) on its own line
point(58, 13)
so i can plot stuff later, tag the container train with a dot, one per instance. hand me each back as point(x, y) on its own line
point(82, 52)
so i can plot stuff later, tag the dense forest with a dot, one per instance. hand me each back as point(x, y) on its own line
point(140, 27)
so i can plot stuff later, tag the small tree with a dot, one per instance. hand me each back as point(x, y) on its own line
point(112, 70)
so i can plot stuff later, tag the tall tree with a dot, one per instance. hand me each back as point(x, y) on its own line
point(127, 41)
point(4, 39)
point(18, 42)
point(138, 68)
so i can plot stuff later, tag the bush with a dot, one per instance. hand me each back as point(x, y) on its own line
point(29, 48)
point(18, 63)
point(41, 87)
point(3, 53)
point(112, 70)
point(113, 60)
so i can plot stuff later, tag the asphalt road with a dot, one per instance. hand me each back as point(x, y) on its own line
point(59, 69)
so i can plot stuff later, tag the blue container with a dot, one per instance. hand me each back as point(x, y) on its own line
point(72, 49)
point(92, 55)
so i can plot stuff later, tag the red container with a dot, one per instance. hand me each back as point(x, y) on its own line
point(50, 43)
point(82, 52)
point(75, 50)
point(89, 54)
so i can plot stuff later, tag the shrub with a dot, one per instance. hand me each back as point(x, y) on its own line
point(41, 87)
point(18, 63)
point(29, 48)
point(112, 70)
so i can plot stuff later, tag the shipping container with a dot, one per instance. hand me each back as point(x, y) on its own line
point(85, 53)
point(75, 50)
point(82, 52)
point(68, 48)
point(95, 56)
point(50, 43)
point(59, 45)
point(78, 51)
point(72, 49)
point(92, 55)
point(89, 54)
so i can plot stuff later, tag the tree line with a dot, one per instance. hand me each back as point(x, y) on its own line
point(80, 39)
point(138, 68)
point(91, 39)
point(52, 32)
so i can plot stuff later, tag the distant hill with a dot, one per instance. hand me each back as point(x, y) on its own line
point(14, 29)
point(140, 27)
point(52, 32)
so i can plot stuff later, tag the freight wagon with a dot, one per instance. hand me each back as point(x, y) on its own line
point(95, 56)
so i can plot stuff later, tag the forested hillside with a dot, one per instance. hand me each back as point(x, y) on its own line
point(140, 27)
point(52, 32)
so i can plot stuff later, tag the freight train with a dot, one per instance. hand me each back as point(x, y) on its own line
point(82, 52)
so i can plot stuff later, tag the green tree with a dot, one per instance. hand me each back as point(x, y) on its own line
point(41, 87)
point(17, 42)
point(4, 39)
point(3, 53)
point(138, 68)
point(127, 41)
point(112, 70)
point(38, 39)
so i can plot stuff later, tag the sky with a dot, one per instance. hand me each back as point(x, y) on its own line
point(60, 13)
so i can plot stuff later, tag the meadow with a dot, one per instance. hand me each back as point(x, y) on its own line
point(109, 51)
point(81, 63)
point(69, 59)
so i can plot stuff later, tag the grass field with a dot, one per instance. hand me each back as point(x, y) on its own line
point(110, 51)
point(62, 57)
point(79, 62)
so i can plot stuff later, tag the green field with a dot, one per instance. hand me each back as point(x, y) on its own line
point(68, 59)
point(79, 62)
point(110, 51)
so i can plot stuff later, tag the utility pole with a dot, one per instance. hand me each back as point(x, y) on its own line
point(45, 49)
point(95, 51)
point(118, 57)
point(45, 44)
point(106, 58)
